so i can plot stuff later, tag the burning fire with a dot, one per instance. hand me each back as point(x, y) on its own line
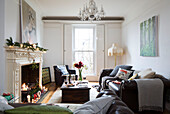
point(45, 89)
point(24, 87)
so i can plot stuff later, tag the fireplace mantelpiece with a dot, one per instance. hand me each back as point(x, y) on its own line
point(15, 58)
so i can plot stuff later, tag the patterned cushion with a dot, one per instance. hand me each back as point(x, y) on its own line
point(123, 74)
point(116, 69)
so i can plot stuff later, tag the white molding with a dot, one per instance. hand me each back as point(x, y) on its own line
point(83, 22)
point(15, 59)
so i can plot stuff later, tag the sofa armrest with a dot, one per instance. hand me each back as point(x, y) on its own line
point(104, 72)
point(130, 84)
point(129, 94)
point(72, 71)
point(58, 76)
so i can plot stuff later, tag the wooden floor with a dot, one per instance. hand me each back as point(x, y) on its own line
point(51, 89)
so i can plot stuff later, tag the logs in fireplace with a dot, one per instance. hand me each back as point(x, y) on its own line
point(30, 90)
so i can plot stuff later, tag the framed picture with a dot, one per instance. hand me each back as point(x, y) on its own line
point(28, 23)
point(46, 75)
point(149, 37)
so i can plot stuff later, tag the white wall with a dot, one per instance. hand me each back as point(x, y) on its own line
point(10, 27)
point(131, 39)
point(112, 35)
point(58, 39)
point(2, 55)
point(53, 40)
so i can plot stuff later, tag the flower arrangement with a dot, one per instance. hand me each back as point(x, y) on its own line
point(80, 67)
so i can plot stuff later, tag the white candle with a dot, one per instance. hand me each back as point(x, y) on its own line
point(21, 45)
point(28, 98)
point(34, 46)
point(11, 46)
point(37, 49)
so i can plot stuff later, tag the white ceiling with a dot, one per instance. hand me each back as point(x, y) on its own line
point(71, 7)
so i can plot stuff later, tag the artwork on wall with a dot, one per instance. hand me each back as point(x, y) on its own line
point(28, 23)
point(149, 37)
point(46, 75)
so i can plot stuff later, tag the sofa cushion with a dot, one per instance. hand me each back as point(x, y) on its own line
point(133, 77)
point(116, 69)
point(146, 72)
point(3, 100)
point(40, 109)
point(154, 76)
point(123, 74)
point(97, 106)
point(4, 106)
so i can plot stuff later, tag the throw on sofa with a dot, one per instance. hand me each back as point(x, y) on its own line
point(127, 90)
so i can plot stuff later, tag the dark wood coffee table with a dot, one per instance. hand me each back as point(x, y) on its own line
point(75, 94)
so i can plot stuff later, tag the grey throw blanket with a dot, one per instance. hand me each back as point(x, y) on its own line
point(150, 94)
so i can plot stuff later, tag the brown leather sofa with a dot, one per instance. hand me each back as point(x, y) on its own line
point(128, 92)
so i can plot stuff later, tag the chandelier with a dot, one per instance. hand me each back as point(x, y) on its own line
point(91, 12)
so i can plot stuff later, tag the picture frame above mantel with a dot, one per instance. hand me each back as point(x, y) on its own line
point(27, 23)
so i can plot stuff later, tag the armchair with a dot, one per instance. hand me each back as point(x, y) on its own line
point(59, 77)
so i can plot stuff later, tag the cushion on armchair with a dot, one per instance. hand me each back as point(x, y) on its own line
point(116, 69)
point(63, 69)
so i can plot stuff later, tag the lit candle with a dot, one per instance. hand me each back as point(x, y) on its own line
point(37, 49)
point(11, 46)
point(34, 46)
point(32, 100)
point(28, 98)
point(21, 45)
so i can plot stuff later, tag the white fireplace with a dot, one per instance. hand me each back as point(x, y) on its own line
point(15, 59)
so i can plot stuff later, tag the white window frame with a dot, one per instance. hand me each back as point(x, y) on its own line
point(94, 46)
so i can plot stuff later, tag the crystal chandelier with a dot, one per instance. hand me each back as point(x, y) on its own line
point(91, 13)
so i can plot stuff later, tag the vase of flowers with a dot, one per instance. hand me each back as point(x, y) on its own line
point(80, 67)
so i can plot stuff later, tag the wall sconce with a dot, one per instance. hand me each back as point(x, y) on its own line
point(115, 50)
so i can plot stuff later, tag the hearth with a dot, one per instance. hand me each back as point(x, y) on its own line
point(17, 61)
point(29, 81)
point(31, 93)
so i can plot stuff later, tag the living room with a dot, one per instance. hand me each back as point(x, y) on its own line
point(56, 25)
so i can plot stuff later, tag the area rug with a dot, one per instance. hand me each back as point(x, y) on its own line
point(56, 97)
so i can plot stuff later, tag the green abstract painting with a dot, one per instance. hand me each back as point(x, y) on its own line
point(149, 37)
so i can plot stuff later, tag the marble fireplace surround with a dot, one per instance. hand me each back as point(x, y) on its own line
point(15, 59)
